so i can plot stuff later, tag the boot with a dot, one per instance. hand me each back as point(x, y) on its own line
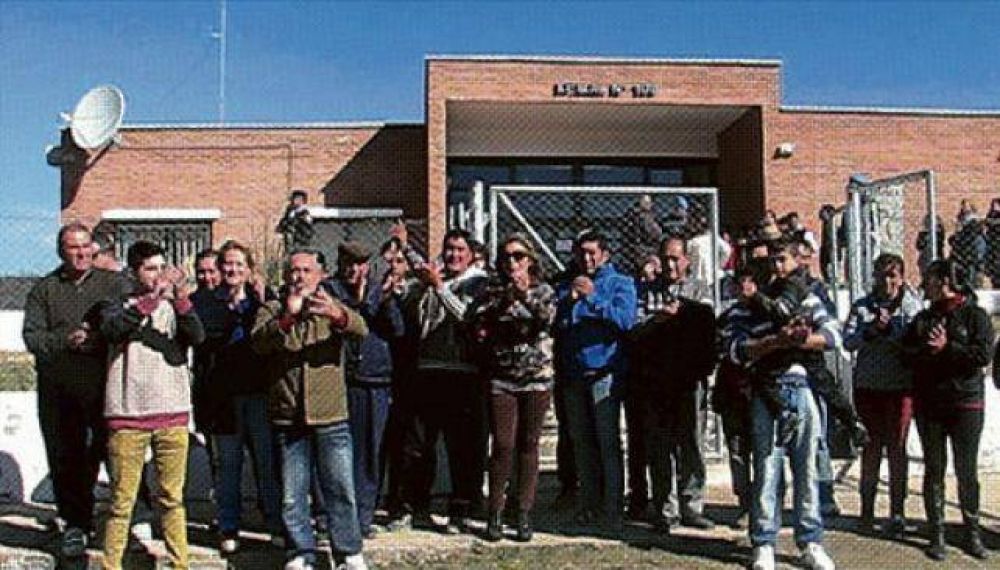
point(934, 504)
point(936, 550)
point(975, 547)
point(494, 526)
point(524, 530)
point(867, 511)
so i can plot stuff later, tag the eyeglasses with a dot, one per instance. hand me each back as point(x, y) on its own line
point(516, 255)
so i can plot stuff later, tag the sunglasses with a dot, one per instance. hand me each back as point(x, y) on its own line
point(516, 255)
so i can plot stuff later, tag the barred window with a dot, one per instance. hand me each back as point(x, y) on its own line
point(181, 240)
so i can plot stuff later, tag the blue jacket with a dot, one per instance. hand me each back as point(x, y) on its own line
point(592, 330)
point(368, 360)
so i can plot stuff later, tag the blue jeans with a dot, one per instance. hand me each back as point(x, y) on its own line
point(769, 464)
point(369, 412)
point(254, 431)
point(593, 410)
point(827, 499)
point(329, 449)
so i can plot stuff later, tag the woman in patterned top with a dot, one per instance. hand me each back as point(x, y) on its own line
point(513, 324)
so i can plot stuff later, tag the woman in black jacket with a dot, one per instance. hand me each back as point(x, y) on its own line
point(950, 343)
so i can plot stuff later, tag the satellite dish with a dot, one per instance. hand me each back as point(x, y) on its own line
point(97, 117)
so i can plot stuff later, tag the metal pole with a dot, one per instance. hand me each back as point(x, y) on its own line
point(716, 277)
point(478, 219)
point(854, 245)
point(494, 214)
point(932, 205)
point(222, 62)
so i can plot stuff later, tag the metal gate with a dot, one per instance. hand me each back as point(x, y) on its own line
point(897, 215)
point(634, 219)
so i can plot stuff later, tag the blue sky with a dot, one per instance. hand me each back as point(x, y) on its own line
point(332, 61)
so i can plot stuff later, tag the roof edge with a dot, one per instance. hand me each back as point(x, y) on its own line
point(875, 110)
point(584, 59)
point(266, 126)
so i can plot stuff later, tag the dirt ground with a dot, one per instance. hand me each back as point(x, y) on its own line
point(26, 541)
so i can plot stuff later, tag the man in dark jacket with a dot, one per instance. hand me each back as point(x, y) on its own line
point(674, 355)
point(302, 336)
point(368, 368)
point(61, 320)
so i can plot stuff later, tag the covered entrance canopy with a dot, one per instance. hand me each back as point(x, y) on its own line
point(558, 129)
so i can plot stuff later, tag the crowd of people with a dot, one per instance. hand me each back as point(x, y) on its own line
point(341, 385)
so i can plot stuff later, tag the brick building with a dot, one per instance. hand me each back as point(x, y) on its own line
point(538, 120)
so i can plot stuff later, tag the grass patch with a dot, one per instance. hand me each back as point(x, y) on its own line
point(17, 372)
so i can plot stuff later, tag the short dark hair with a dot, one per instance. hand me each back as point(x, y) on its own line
point(318, 254)
point(954, 272)
point(458, 233)
point(886, 261)
point(592, 235)
point(665, 241)
point(207, 253)
point(299, 194)
point(141, 251)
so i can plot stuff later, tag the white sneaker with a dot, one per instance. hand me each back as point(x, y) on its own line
point(763, 558)
point(816, 558)
point(355, 562)
point(142, 531)
point(298, 563)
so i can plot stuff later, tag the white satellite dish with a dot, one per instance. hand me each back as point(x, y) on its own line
point(97, 117)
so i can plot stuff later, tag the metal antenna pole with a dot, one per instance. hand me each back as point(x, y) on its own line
point(222, 61)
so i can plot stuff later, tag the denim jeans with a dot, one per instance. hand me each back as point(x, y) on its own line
point(824, 463)
point(254, 431)
point(593, 410)
point(329, 449)
point(126, 456)
point(769, 461)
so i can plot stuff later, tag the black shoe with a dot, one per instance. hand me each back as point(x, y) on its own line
point(524, 530)
point(895, 529)
point(494, 526)
point(636, 512)
point(699, 521)
point(937, 550)
point(975, 547)
point(663, 524)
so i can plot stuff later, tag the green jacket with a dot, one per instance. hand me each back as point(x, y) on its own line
point(305, 365)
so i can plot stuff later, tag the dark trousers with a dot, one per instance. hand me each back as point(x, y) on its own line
point(516, 425)
point(71, 417)
point(887, 417)
point(368, 407)
point(736, 428)
point(635, 443)
point(964, 428)
point(673, 445)
point(449, 404)
point(565, 460)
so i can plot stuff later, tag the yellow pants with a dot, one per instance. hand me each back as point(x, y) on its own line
point(126, 455)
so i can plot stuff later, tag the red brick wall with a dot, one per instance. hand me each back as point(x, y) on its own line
point(741, 172)
point(524, 81)
point(964, 152)
point(247, 173)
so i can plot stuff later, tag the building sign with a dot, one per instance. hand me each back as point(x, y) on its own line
point(598, 90)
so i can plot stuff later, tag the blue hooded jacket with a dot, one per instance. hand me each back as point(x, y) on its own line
point(592, 330)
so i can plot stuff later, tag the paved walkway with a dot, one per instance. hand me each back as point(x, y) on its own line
point(26, 541)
